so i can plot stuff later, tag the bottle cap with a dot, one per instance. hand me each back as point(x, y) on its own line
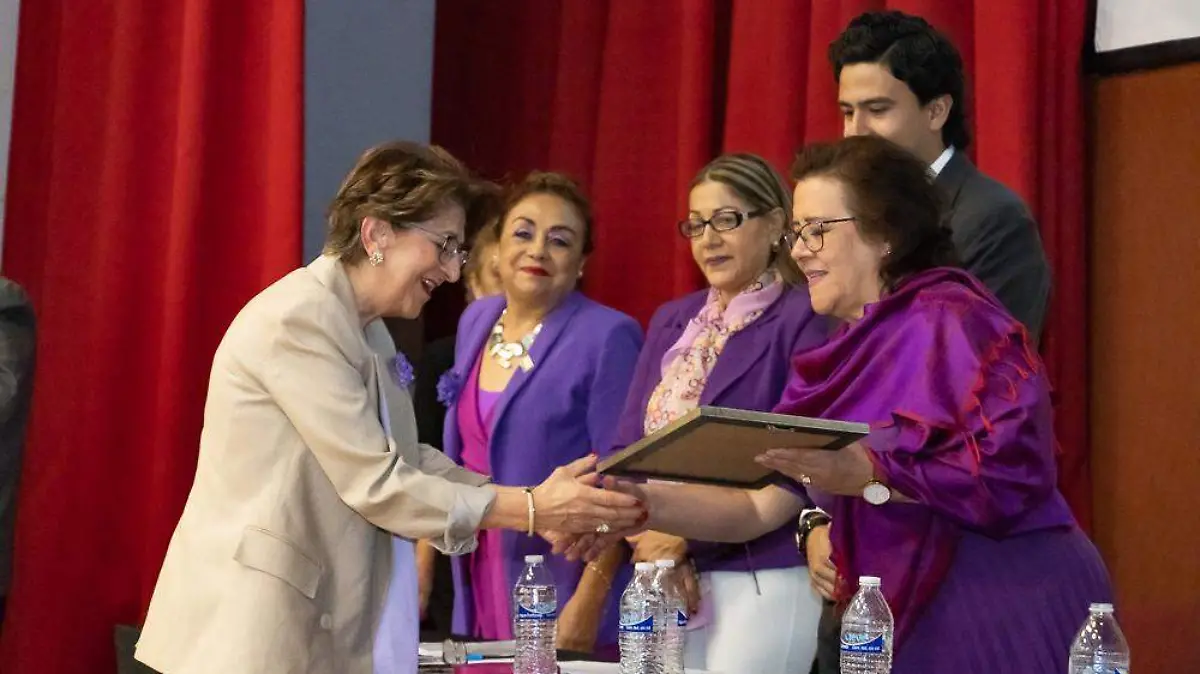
point(644, 566)
point(1101, 608)
point(534, 559)
point(869, 581)
point(665, 563)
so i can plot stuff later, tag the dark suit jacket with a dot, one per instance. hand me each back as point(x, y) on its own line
point(998, 240)
point(16, 389)
point(436, 358)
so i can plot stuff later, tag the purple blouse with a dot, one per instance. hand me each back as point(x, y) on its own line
point(489, 587)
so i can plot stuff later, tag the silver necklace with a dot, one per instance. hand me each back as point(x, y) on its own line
point(504, 352)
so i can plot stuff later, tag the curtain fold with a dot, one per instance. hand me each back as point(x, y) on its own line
point(633, 98)
point(155, 185)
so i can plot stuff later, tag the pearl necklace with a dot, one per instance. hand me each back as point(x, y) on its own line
point(504, 353)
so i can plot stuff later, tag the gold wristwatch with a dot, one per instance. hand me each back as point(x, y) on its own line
point(876, 493)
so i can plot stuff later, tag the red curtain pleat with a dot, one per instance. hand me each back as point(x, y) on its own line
point(633, 98)
point(1062, 210)
point(155, 185)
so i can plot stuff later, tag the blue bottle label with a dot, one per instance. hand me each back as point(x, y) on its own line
point(544, 612)
point(681, 618)
point(862, 643)
point(644, 626)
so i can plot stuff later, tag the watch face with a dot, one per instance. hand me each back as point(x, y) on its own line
point(876, 493)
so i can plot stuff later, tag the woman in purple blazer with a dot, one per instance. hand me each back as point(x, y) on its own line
point(730, 345)
point(539, 378)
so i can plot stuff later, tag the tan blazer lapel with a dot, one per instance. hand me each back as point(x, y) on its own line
point(394, 413)
point(377, 341)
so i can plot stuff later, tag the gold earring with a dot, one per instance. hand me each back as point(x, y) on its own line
point(375, 258)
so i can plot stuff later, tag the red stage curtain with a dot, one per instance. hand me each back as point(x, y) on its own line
point(634, 97)
point(155, 186)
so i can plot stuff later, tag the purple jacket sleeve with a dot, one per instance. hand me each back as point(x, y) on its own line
point(610, 382)
point(629, 428)
point(980, 449)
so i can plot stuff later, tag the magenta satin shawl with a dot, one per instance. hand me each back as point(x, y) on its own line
point(959, 408)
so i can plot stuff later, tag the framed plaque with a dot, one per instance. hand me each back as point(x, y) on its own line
point(717, 445)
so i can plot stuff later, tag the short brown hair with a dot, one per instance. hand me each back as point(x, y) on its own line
point(893, 199)
point(756, 182)
point(556, 184)
point(401, 183)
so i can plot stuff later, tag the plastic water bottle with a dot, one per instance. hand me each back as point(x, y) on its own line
point(535, 619)
point(867, 631)
point(1100, 647)
point(674, 615)
point(641, 610)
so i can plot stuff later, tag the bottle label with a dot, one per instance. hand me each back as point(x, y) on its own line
point(681, 618)
point(862, 643)
point(542, 612)
point(643, 626)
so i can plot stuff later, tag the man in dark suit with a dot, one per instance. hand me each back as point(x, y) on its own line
point(901, 79)
point(16, 389)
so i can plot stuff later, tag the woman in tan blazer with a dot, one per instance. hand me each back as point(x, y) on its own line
point(309, 457)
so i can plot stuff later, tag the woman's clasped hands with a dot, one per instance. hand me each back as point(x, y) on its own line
point(620, 511)
point(574, 512)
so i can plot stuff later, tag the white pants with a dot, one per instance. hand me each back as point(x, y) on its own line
point(769, 631)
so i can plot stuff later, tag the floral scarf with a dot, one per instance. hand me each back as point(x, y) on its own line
point(687, 365)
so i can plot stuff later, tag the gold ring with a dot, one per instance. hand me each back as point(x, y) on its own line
point(602, 528)
point(805, 480)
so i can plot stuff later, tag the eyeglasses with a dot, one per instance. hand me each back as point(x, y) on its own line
point(449, 247)
point(812, 232)
point(721, 221)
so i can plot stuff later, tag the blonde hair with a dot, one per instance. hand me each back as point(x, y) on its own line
point(757, 183)
point(473, 270)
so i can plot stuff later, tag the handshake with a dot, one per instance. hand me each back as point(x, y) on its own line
point(581, 514)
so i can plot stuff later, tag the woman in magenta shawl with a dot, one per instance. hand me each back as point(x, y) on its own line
point(951, 499)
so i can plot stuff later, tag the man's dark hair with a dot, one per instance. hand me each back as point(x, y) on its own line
point(916, 54)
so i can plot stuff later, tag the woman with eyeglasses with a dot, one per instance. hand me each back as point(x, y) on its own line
point(282, 559)
point(539, 378)
point(729, 345)
point(952, 498)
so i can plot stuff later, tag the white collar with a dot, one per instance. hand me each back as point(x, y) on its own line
point(943, 159)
